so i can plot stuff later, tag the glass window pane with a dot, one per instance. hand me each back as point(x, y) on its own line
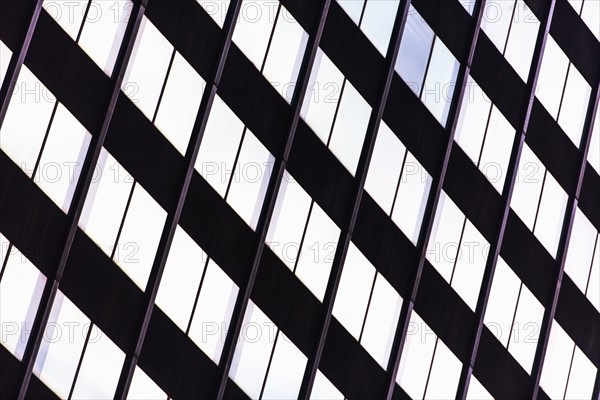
point(181, 278)
point(288, 221)
point(106, 201)
point(250, 179)
point(497, 149)
point(440, 81)
point(555, 371)
point(581, 250)
point(472, 120)
point(68, 13)
point(497, 16)
point(469, 5)
point(103, 31)
point(416, 357)
point(253, 28)
point(581, 377)
point(476, 391)
point(140, 236)
point(318, 251)
point(26, 121)
point(100, 369)
point(353, 8)
point(323, 389)
point(443, 245)
point(414, 51)
point(551, 214)
point(213, 311)
point(552, 76)
point(593, 292)
point(20, 292)
point(144, 388)
point(63, 341)
point(522, 38)
point(5, 55)
point(285, 54)
point(574, 105)
point(470, 265)
point(180, 102)
point(322, 96)
point(217, 9)
point(594, 152)
point(378, 21)
point(528, 186)
point(526, 329)
point(354, 290)
point(444, 375)
point(219, 146)
point(502, 301)
point(384, 170)
point(350, 128)
point(253, 351)
point(286, 371)
point(62, 158)
point(411, 199)
point(381, 320)
point(590, 13)
point(147, 68)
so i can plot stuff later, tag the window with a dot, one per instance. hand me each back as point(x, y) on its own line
point(476, 391)
point(539, 201)
point(514, 315)
point(323, 389)
point(427, 66)
point(103, 31)
point(144, 388)
point(21, 289)
point(594, 151)
point(5, 55)
point(484, 134)
point(286, 370)
point(337, 113)
point(69, 14)
point(217, 9)
point(567, 372)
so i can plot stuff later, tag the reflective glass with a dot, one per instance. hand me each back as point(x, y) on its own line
point(522, 38)
point(323, 389)
point(574, 105)
point(473, 120)
point(253, 351)
point(552, 76)
point(217, 9)
point(147, 68)
point(502, 301)
point(5, 55)
point(285, 54)
point(378, 21)
point(317, 253)
point(20, 292)
point(254, 27)
point(353, 8)
point(385, 168)
point(496, 21)
point(144, 388)
point(411, 198)
point(581, 377)
point(68, 13)
point(594, 151)
point(181, 278)
point(528, 187)
point(250, 179)
point(285, 372)
point(590, 14)
point(415, 48)
point(103, 31)
point(105, 203)
point(219, 146)
point(476, 391)
point(444, 374)
point(62, 158)
point(26, 121)
point(495, 155)
point(593, 291)
point(100, 369)
point(581, 250)
point(180, 102)
point(551, 214)
point(213, 311)
point(62, 345)
point(525, 330)
point(440, 81)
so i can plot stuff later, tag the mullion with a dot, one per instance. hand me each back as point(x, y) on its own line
point(431, 206)
point(361, 176)
point(509, 185)
point(563, 247)
point(268, 206)
point(77, 203)
point(170, 226)
point(17, 60)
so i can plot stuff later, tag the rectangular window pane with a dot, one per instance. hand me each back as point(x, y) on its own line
point(378, 21)
point(286, 371)
point(68, 13)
